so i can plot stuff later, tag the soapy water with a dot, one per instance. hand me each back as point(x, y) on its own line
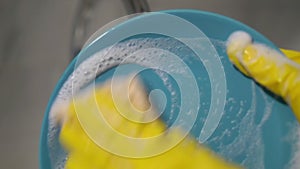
point(294, 138)
point(246, 138)
point(247, 146)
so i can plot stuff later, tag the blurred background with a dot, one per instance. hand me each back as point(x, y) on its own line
point(38, 38)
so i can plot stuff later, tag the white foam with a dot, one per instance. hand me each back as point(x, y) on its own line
point(238, 41)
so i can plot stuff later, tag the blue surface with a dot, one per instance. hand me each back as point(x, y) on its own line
point(277, 152)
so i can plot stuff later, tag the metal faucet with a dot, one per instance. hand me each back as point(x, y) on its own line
point(82, 19)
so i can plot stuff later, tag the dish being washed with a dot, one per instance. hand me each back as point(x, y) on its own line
point(185, 51)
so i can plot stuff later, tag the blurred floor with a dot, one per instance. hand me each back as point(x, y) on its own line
point(34, 52)
point(35, 49)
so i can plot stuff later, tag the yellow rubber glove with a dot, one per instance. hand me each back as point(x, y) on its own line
point(84, 153)
point(268, 67)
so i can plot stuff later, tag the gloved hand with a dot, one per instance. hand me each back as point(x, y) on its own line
point(84, 153)
point(278, 73)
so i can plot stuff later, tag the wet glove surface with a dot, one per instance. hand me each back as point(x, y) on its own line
point(270, 68)
point(84, 153)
